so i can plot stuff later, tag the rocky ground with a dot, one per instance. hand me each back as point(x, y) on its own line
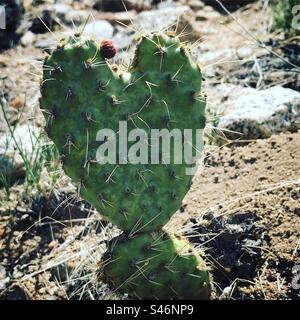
point(243, 209)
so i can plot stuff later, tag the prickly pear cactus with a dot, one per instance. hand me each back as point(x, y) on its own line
point(82, 92)
point(156, 265)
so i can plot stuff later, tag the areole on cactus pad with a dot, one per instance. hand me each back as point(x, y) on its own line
point(82, 92)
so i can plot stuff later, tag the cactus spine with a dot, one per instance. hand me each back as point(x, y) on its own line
point(83, 92)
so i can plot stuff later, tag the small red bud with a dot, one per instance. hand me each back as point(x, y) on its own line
point(108, 49)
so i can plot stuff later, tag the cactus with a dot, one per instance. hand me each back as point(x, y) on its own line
point(156, 265)
point(83, 92)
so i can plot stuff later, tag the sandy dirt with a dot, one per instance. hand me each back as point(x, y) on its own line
point(262, 180)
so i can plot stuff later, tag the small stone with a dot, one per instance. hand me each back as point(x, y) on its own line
point(200, 16)
point(203, 15)
point(67, 15)
point(160, 19)
point(27, 39)
point(99, 30)
point(42, 291)
point(196, 5)
point(259, 114)
point(25, 135)
point(126, 18)
point(52, 244)
point(18, 102)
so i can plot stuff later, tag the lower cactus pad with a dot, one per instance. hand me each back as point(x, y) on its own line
point(156, 266)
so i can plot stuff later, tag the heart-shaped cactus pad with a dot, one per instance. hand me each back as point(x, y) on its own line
point(95, 110)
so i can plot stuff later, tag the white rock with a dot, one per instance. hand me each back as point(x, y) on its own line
point(13, 152)
point(99, 30)
point(155, 20)
point(47, 43)
point(262, 113)
point(68, 15)
point(220, 98)
point(196, 4)
point(26, 136)
point(28, 38)
point(211, 57)
point(202, 15)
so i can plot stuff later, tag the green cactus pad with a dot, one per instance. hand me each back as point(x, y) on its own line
point(156, 265)
point(83, 93)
